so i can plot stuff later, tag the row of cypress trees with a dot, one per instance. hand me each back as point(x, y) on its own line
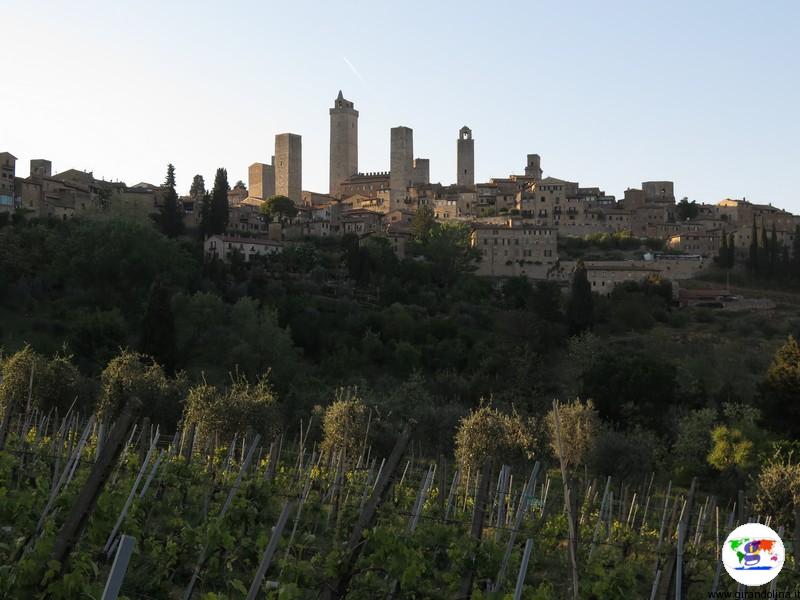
point(213, 205)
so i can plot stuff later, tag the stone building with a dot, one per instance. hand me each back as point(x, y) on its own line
point(704, 243)
point(604, 277)
point(237, 193)
point(659, 191)
point(344, 143)
point(289, 166)
point(360, 221)
point(8, 170)
point(513, 249)
point(465, 158)
point(366, 184)
point(546, 201)
point(222, 247)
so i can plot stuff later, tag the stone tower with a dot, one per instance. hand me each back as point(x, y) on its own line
point(401, 174)
point(288, 164)
point(534, 167)
point(261, 180)
point(41, 167)
point(421, 171)
point(465, 158)
point(344, 143)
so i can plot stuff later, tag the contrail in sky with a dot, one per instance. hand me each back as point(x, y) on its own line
point(355, 71)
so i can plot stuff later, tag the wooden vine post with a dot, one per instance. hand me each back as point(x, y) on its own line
point(569, 500)
point(87, 499)
point(476, 531)
point(355, 544)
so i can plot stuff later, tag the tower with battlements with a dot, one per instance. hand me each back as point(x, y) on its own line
point(288, 165)
point(465, 158)
point(344, 143)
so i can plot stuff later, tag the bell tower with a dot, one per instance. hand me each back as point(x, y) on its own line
point(465, 158)
point(344, 143)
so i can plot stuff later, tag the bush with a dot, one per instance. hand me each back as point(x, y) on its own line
point(52, 383)
point(580, 424)
point(487, 432)
point(241, 408)
point(779, 489)
point(344, 424)
point(132, 374)
point(624, 455)
point(693, 443)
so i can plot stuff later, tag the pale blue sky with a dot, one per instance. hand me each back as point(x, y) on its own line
point(609, 93)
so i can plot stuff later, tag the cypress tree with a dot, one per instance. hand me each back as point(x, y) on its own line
point(763, 251)
point(218, 213)
point(773, 250)
point(723, 255)
point(198, 189)
point(731, 251)
point(580, 308)
point(205, 215)
point(796, 252)
point(171, 219)
point(158, 327)
point(786, 263)
point(754, 248)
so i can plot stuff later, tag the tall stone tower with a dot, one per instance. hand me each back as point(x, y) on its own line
point(421, 171)
point(534, 167)
point(288, 164)
point(465, 158)
point(401, 175)
point(261, 180)
point(344, 143)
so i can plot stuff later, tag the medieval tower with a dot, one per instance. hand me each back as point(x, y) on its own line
point(261, 180)
point(465, 158)
point(401, 174)
point(288, 165)
point(344, 143)
point(534, 167)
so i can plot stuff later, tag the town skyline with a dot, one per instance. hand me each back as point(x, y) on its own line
point(656, 117)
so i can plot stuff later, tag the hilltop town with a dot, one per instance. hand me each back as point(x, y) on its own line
point(521, 223)
point(299, 337)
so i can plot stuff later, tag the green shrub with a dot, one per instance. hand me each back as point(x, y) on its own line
point(488, 432)
point(132, 374)
point(242, 407)
point(778, 489)
point(624, 455)
point(580, 424)
point(52, 383)
point(344, 424)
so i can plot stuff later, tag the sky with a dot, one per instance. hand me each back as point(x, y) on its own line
point(610, 94)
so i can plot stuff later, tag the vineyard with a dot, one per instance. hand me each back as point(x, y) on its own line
point(98, 510)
